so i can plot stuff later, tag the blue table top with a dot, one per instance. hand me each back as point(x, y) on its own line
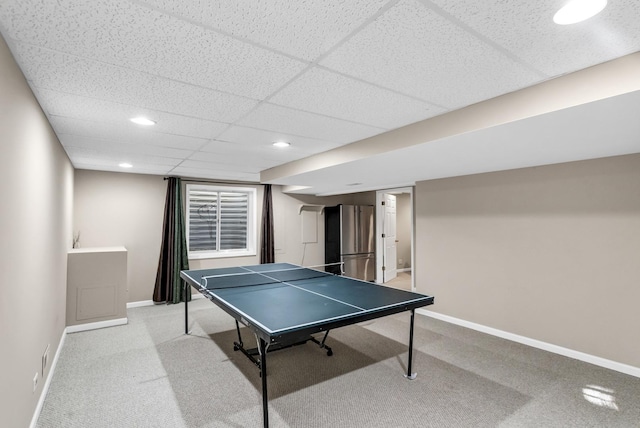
point(316, 301)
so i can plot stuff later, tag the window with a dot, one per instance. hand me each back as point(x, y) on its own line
point(221, 221)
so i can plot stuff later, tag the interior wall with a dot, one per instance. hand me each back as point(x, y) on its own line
point(113, 209)
point(36, 184)
point(362, 198)
point(549, 253)
point(288, 224)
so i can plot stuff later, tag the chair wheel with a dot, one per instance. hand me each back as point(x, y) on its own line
point(329, 353)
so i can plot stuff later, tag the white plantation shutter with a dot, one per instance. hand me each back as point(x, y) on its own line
point(221, 221)
point(234, 209)
point(203, 220)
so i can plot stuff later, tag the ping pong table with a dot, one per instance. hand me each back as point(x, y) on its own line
point(283, 305)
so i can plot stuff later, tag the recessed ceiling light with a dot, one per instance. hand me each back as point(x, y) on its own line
point(125, 165)
point(281, 144)
point(578, 10)
point(142, 121)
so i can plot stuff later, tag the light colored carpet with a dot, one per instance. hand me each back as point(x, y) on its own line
point(149, 374)
point(401, 281)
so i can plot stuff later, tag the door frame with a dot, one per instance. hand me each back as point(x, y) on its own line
point(379, 229)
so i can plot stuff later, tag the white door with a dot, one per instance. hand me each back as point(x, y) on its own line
point(389, 228)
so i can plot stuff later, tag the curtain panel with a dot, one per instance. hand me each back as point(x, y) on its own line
point(267, 245)
point(169, 287)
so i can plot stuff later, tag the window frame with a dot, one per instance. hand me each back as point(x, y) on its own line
point(251, 237)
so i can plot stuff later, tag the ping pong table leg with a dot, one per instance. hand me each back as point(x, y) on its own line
point(263, 375)
point(409, 374)
point(186, 308)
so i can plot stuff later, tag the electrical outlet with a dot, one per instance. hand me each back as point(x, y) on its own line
point(45, 359)
point(35, 382)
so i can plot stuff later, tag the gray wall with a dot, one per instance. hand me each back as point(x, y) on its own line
point(550, 253)
point(112, 209)
point(36, 187)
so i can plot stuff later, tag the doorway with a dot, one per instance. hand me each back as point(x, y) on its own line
point(394, 237)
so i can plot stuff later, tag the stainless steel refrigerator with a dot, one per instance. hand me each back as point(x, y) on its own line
point(350, 239)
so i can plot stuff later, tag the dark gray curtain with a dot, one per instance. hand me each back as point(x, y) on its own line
point(173, 252)
point(267, 247)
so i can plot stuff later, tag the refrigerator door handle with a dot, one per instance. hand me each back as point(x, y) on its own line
point(357, 229)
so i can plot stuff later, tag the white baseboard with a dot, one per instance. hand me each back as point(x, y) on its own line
point(404, 270)
point(47, 382)
point(151, 302)
point(592, 359)
point(96, 325)
point(140, 303)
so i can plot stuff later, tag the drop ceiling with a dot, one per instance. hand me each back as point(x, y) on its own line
point(226, 79)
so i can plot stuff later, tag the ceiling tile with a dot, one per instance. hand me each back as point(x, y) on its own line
point(269, 156)
point(144, 169)
point(332, 94)
point(121, 146)
point(402, 50)
point(304, 29)
point(123, 133)
point(147, 39)
point(107, 156)
point(46, 69)
point(214, 165)
point(252, 162)
point(294, 122)
point(260, 138)
point(527, 30)
point(213, 174)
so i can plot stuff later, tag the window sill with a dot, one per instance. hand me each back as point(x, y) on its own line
point(221, 255)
